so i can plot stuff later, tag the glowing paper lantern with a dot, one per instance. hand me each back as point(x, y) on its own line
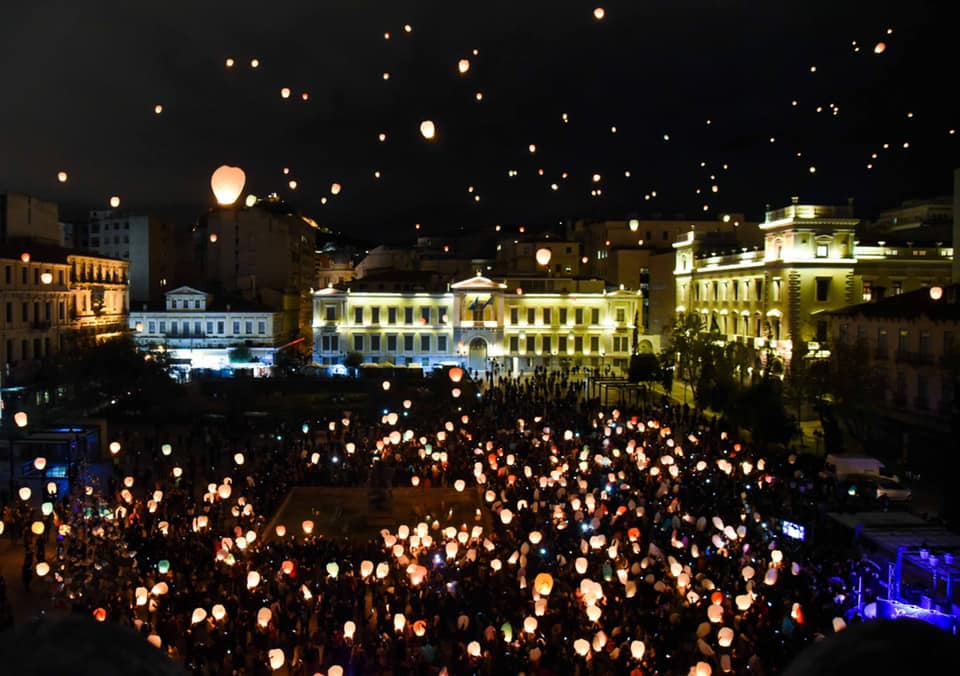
point(702, 669)
point(25, 493)
point(473, 649)
point(880, 48)
point(543, 256)
point(366, 569)
point(287, 567)
point(253, 579)
point(582, 647)
point(307, 527)
point(114, 202)
point(227, 184)
point(163, 566)
point(543, 584)
point(335, 189)
point(383, 569)
point(46, 278)
point(264, 615)
point(276, 658)
point(62, 177)
point(333, 569)
point(715, 614)
point(20, 418)
point(166, 449)
point(459, 485)
point(43, 568)
point(839, 624)
point(399, 622)
point(114, 447)
point(280, 530)
point(770, 578)
point(725, 637)
point(349, 629)
point(463, 66)
point(428, 130)
point(100, 615)
point(385, 385)
point(599, 13)
point(285, 93)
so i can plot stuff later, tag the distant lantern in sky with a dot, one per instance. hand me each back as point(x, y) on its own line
point(479, 96)
point(386, 36)
point(305, 96)
point(544, 255)
point(463, 66)
point(813, 170)
point(114, 202)
point(599, 13)
point(634, 224)
point(251, 200)
point(229, 62)
point(158, 109)
point(254, 63)
point(532, 148)
point(285, 93)
point(880, 48)
point(407, 28)
point(293, 184)
point(596, 178)
point(227, 183)
point(386, 76)
point(428, 130)
point(335, 189)
point(62, 177)
point(666, 137)
point(382, 137)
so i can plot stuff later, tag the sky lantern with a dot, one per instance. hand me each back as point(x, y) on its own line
point(25, 493)
point(333, 569)
point(349, 629)
point(280, 530)
point(253, 579)
point(157, 109)
point(218, 612)
point(335, 189)
point(463, 66)
point(307, 527)
point(637, 649)
point(702, 669)
point(383, 569)
point(880, 48)
point(227, 183)
point(366, 569)
point(114, 447)
point(114, 202)
point(229, 63)
point(456, 392)
point(62, 176)
point(456, 374)
point(599, 13)
point(40, 463)
point(770, 578)
point(543, 256)
point(399, 622)
point(473, 649)
point(715, 614)
point(459, 485)
point(264, 615)
point(725, 637)
point(276, 658)
point(199, 615)
point(42, 568)
point(385, 385)
point(428, 130)
point(582, 647)
point(254, 63)
point(285, 93)
point(543, 584)
point(100, 615)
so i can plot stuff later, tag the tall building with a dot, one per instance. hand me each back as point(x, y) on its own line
point(23, 217)
point(151, 244)
point(478, 323)
point(811, 261)
point(265, 253)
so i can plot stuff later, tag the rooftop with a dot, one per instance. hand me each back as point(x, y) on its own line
point(912, 305)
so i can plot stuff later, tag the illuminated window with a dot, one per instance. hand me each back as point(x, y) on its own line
point(358, 315)
point(595, 316)
point(408, 315)
point(531, 344)
point(441, 343)
point(375, 343)
point(425, 343)
point(514, 344)
point(621, 315)
point(374, 315)
point(358, 343)
point(867, 291)
point(823, 250)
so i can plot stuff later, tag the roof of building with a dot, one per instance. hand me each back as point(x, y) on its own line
point(45, 253)
point(912, 305)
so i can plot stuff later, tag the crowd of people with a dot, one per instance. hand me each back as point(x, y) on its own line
point(606, 541)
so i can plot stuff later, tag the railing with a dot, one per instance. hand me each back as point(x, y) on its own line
point(916, 358)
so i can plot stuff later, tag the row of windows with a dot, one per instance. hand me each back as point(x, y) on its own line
point(721, 291)
point(186, 328)
point(41, 348)
point(425, 315)
point(25, 276)
point(905, 340)
point(25, 312)
point(375, 343)
point(546, 315)
point(185, 304)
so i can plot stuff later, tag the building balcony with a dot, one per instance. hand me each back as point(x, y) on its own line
point(40, 325)
point(881, 353)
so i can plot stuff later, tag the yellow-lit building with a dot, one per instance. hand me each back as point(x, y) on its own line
point(810, 261)
point(480, 323)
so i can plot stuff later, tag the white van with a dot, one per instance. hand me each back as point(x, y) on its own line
point(845, 465)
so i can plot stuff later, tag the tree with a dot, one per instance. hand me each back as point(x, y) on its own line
point(644, 368)
point(240, 354)
point(353, 360)
point(698, 352)
point(760, 409)
point(855, 390)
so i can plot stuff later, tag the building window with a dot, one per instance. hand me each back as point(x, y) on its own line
point(823, 250)
point(594, 343)
point(425, 343)
point(621, 315)
point(823, 289)
point(562, 344)
point(867, 294)
point(822, 330)
point(173, 304)
point(441, 343)
point(358, 343)
point(248, 327)
point(408, 315)
point(358, 315)
point(514, 316)
point(236, 328)
point(9, 313)
point(903, 341)
point(735, 321)
point(220, 327)
point(578, 344)
point(375, 343)
point(196, 305)
point(898, 287)
point(443, 314)
point(563, 316)
point(408, 342)
point(514, 344)
point(758, 286)
point(391, 315)
point(174, 328)
point(595, 316)
point(262, 327)
point(546, 344)
point(330, 312)
point(391, 343)
point(374, 315)
point(531, 344)
point(425, 315)
point(716, 291)
point(776, 290)
point(151, 327)
point(531, 315)
point(547, 316)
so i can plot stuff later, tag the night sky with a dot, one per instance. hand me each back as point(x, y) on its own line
point(81, 79)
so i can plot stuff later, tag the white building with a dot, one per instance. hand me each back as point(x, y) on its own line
point(200, 331)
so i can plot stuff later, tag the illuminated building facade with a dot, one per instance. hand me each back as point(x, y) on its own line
point(480, 324)
point(810, 261)
point(200, 332)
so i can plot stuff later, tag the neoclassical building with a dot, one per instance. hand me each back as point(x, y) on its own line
point(811, 261)
point(478, 323)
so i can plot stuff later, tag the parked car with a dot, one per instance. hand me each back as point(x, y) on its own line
point(892, 490)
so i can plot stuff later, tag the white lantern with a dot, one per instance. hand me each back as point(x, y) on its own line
point(227, 184)
point(725, 637)
point(218, 612)
point(253, 579)
point(199, 615)
point(428, 130)
point(544, 255)
point(349, 629)
point(276, 658)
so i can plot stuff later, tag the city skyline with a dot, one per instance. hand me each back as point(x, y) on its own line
point(560, 80)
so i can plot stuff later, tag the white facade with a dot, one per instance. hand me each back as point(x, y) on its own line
point(200, 333)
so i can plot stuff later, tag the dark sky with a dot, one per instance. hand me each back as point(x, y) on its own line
point(80, 81)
